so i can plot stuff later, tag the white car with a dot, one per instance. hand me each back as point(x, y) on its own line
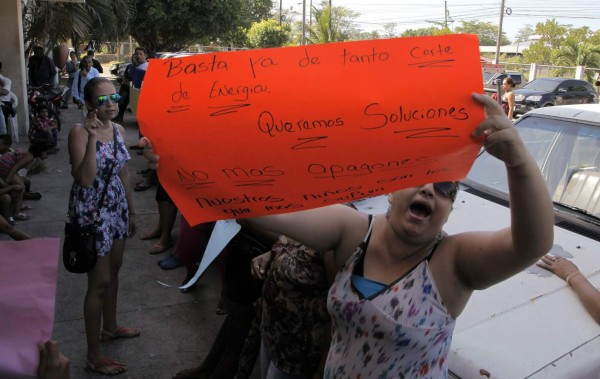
point(533, 325)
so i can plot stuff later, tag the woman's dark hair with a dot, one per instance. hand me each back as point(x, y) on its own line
point(40, 146)
point(91, 86)
point(510, 81)
point(84, 64)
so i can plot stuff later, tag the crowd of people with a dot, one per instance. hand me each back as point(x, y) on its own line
point(303, 293)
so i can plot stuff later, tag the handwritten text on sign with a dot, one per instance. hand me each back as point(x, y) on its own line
point(278, 130)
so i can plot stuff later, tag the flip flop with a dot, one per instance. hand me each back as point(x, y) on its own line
point(120, 332)
point(32, 196)
point(158, 248)
point(106, 366)
point(151, 235)
point(142, 187)
point(172, 262)
point(21, 217)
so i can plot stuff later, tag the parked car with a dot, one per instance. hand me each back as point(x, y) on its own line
point(545, 92)
point(491, 80)
point(533, 325)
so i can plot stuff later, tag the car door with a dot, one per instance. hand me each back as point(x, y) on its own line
point(564, 93)
point(580, 94)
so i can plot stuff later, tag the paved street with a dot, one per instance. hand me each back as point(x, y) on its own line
point(177, 329)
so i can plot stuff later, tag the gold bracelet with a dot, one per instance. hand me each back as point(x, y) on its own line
point(570, 276)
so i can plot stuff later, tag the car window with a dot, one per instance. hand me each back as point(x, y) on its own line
point(561, 149)
point(541, 85)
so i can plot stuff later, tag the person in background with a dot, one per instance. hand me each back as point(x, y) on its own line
point(508, 96)
point(6, 147)
point(85, 73)
point(569, 272)
point(223, 359)
point(10, 164)
point(124, 89)
point(93, 167)
point(9, 101)
point(71, 68)
point(41, 68)
point(295, 325)
point(44, 126)
point(95, 63)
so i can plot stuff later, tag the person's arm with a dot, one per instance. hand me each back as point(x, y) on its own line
point(482, 259)
point(25, 160)
point(82, 150)
point(126, 180)
point(510, 99)
point(567, 270)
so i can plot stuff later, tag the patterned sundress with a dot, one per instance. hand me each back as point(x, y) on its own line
point(114, 212)
point(402, 331)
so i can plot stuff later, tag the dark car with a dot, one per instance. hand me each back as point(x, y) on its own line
point(545, 92)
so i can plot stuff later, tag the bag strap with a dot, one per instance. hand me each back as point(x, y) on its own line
point(96, 213)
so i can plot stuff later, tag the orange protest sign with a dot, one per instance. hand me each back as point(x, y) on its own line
point(277, 130)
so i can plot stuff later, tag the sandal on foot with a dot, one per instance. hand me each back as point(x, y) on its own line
point(120, 332)
point(172, 262)
point(192, 373)
point(32, 196)
point(150, 235)
point(106, 366)
point(21, 217)
point(142, 187)
point(158, 248)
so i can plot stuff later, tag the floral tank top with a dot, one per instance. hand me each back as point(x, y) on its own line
point(402, 331)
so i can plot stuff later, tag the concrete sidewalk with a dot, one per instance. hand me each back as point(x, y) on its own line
point(177, 329)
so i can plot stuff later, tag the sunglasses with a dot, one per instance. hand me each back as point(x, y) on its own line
point(103, 100)
point(446, 189)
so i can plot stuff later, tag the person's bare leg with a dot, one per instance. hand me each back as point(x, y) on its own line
point(167, 212)
point(12, 232)
point(109, 309)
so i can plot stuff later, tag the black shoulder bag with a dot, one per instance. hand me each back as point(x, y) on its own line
point(79, 247)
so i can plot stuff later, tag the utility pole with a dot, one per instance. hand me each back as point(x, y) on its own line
point(446, 15)
point(280, 5)
point(330, 30)
point(496, 59)
point(303, 22)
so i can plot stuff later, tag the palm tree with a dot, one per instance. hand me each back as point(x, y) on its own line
point(332, 24)
point(574, 52)
point(48, 23)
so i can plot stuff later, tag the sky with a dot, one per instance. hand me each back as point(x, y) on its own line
point(414, 14)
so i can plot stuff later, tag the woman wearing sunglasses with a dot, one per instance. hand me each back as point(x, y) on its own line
point(402, 281)
point(99, 156)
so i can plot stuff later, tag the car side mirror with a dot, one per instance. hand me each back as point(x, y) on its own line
point(496, 82)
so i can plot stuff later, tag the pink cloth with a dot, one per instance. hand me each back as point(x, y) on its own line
point(28, 272)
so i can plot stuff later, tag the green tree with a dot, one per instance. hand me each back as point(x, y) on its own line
point(389, 30)
point(525, 33)
point(487, 32)
point(574, 52)
point(551, 35)
point(342, 25)
point(421, 32)
point(268, 33)
point(48, 23)
point(172, 25)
